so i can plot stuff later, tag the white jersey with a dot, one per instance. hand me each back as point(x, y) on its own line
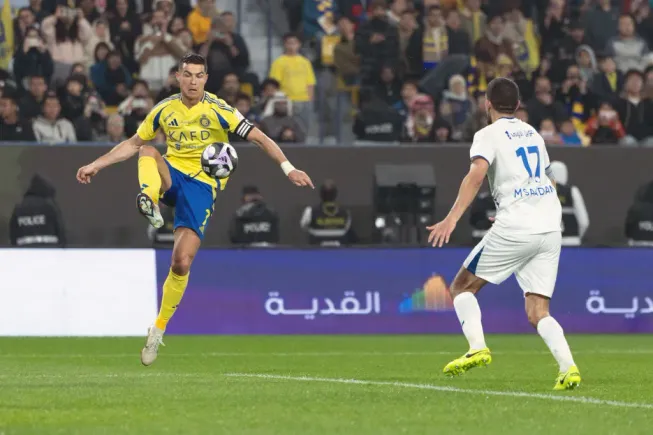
point(526, 200)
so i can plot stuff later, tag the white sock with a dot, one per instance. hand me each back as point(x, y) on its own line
point(469, 315)
point(554, 337)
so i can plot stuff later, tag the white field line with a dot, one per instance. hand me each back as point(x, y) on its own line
point(552, 397)
point(91, 355)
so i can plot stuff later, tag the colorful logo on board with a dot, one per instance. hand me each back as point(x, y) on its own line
point(433, 296)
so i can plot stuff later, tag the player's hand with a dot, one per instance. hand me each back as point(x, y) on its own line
point(85, 173)
point(300, 178)
point(441, 232)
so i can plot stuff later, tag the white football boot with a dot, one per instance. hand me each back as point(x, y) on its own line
point(149, 209)
point(151, 349)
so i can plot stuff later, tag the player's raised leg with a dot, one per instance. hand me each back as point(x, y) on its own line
point(537, 310)
point(463, 291)
point(154, 178)
point(186, 245)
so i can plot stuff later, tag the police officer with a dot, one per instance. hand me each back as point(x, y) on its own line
point(639, 220)
point(327, 223)
point(254, 223)
point(575, 219)
point(36, 221)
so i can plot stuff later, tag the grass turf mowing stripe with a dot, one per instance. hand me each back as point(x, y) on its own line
point(559, 398)
point(316, 354)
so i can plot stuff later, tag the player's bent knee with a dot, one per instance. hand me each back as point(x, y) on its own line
point(148, 151)
point(181, 264)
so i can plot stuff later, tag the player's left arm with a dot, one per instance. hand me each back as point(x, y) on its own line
point(246, 130)
point(299, 178)
point(469, 188)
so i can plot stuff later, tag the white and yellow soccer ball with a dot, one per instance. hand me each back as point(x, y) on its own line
point(219, 160)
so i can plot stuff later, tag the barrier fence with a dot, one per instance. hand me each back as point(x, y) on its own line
point(352, 291)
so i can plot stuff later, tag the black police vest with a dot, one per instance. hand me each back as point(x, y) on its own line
point(329, 223)
point(569, 221)
point(639, 222)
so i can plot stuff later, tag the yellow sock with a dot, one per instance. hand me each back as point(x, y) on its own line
point(149, 178)
point(173, 291)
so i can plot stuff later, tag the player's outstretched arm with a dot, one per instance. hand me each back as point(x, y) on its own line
point(119, 153)
point(299, 178)
point(469, 188)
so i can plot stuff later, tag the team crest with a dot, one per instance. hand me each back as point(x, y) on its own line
point(204, 121)
point(178, 146)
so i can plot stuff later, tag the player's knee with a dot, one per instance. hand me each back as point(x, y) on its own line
point(181, 263)
point(147, 151)
point(535, 315)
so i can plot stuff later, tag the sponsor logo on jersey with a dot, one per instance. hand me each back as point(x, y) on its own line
point(173, 123)
point(433, 296)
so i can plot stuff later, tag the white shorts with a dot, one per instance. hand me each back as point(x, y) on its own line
point(533, 258)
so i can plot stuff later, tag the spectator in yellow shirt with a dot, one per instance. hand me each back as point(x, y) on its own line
point(295, 74)
point(199, 20)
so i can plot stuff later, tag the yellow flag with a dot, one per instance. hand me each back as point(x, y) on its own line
point(6, 36)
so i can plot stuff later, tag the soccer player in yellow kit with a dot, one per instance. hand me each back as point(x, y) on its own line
point(191, 121)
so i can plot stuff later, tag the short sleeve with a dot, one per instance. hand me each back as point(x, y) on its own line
point(482, 147)
point(232, 120)
point(275, 70)
point(148, 128)
point(310, 75)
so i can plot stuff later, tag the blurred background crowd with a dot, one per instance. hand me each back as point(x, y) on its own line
point(332, 71)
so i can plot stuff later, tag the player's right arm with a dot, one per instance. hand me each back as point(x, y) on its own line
point(119, 153)
point(125, 149)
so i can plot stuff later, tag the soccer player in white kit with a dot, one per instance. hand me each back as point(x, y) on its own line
point(525, 238)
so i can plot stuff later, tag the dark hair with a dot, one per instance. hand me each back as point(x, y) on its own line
point(192, 59)
point(329, 191)
point(64, 33)
point(433, 8)
point(98, 46)
point(412, 82)
point(289, 35)
point(243, 96)
point(50, 96)
point(226, 13)
point(272, 82)
point(114, 53)
point(633, 72)
point(503, 94)
point(37, 76)
point(140, 82)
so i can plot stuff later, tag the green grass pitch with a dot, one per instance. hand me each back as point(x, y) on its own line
point(320, 385)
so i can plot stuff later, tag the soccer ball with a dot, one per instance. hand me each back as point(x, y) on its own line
point(219, 160)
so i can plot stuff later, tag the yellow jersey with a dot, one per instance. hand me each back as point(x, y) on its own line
point(295, 74)
point(189, 131)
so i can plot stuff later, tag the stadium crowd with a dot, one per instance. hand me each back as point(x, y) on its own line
point(395, 70)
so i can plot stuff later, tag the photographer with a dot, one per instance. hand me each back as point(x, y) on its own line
point(223, 54)
point(85, 111)
point(66, 32)
point(32, 59)
point(157, 51)
point(136, 106)
point(605, 127)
